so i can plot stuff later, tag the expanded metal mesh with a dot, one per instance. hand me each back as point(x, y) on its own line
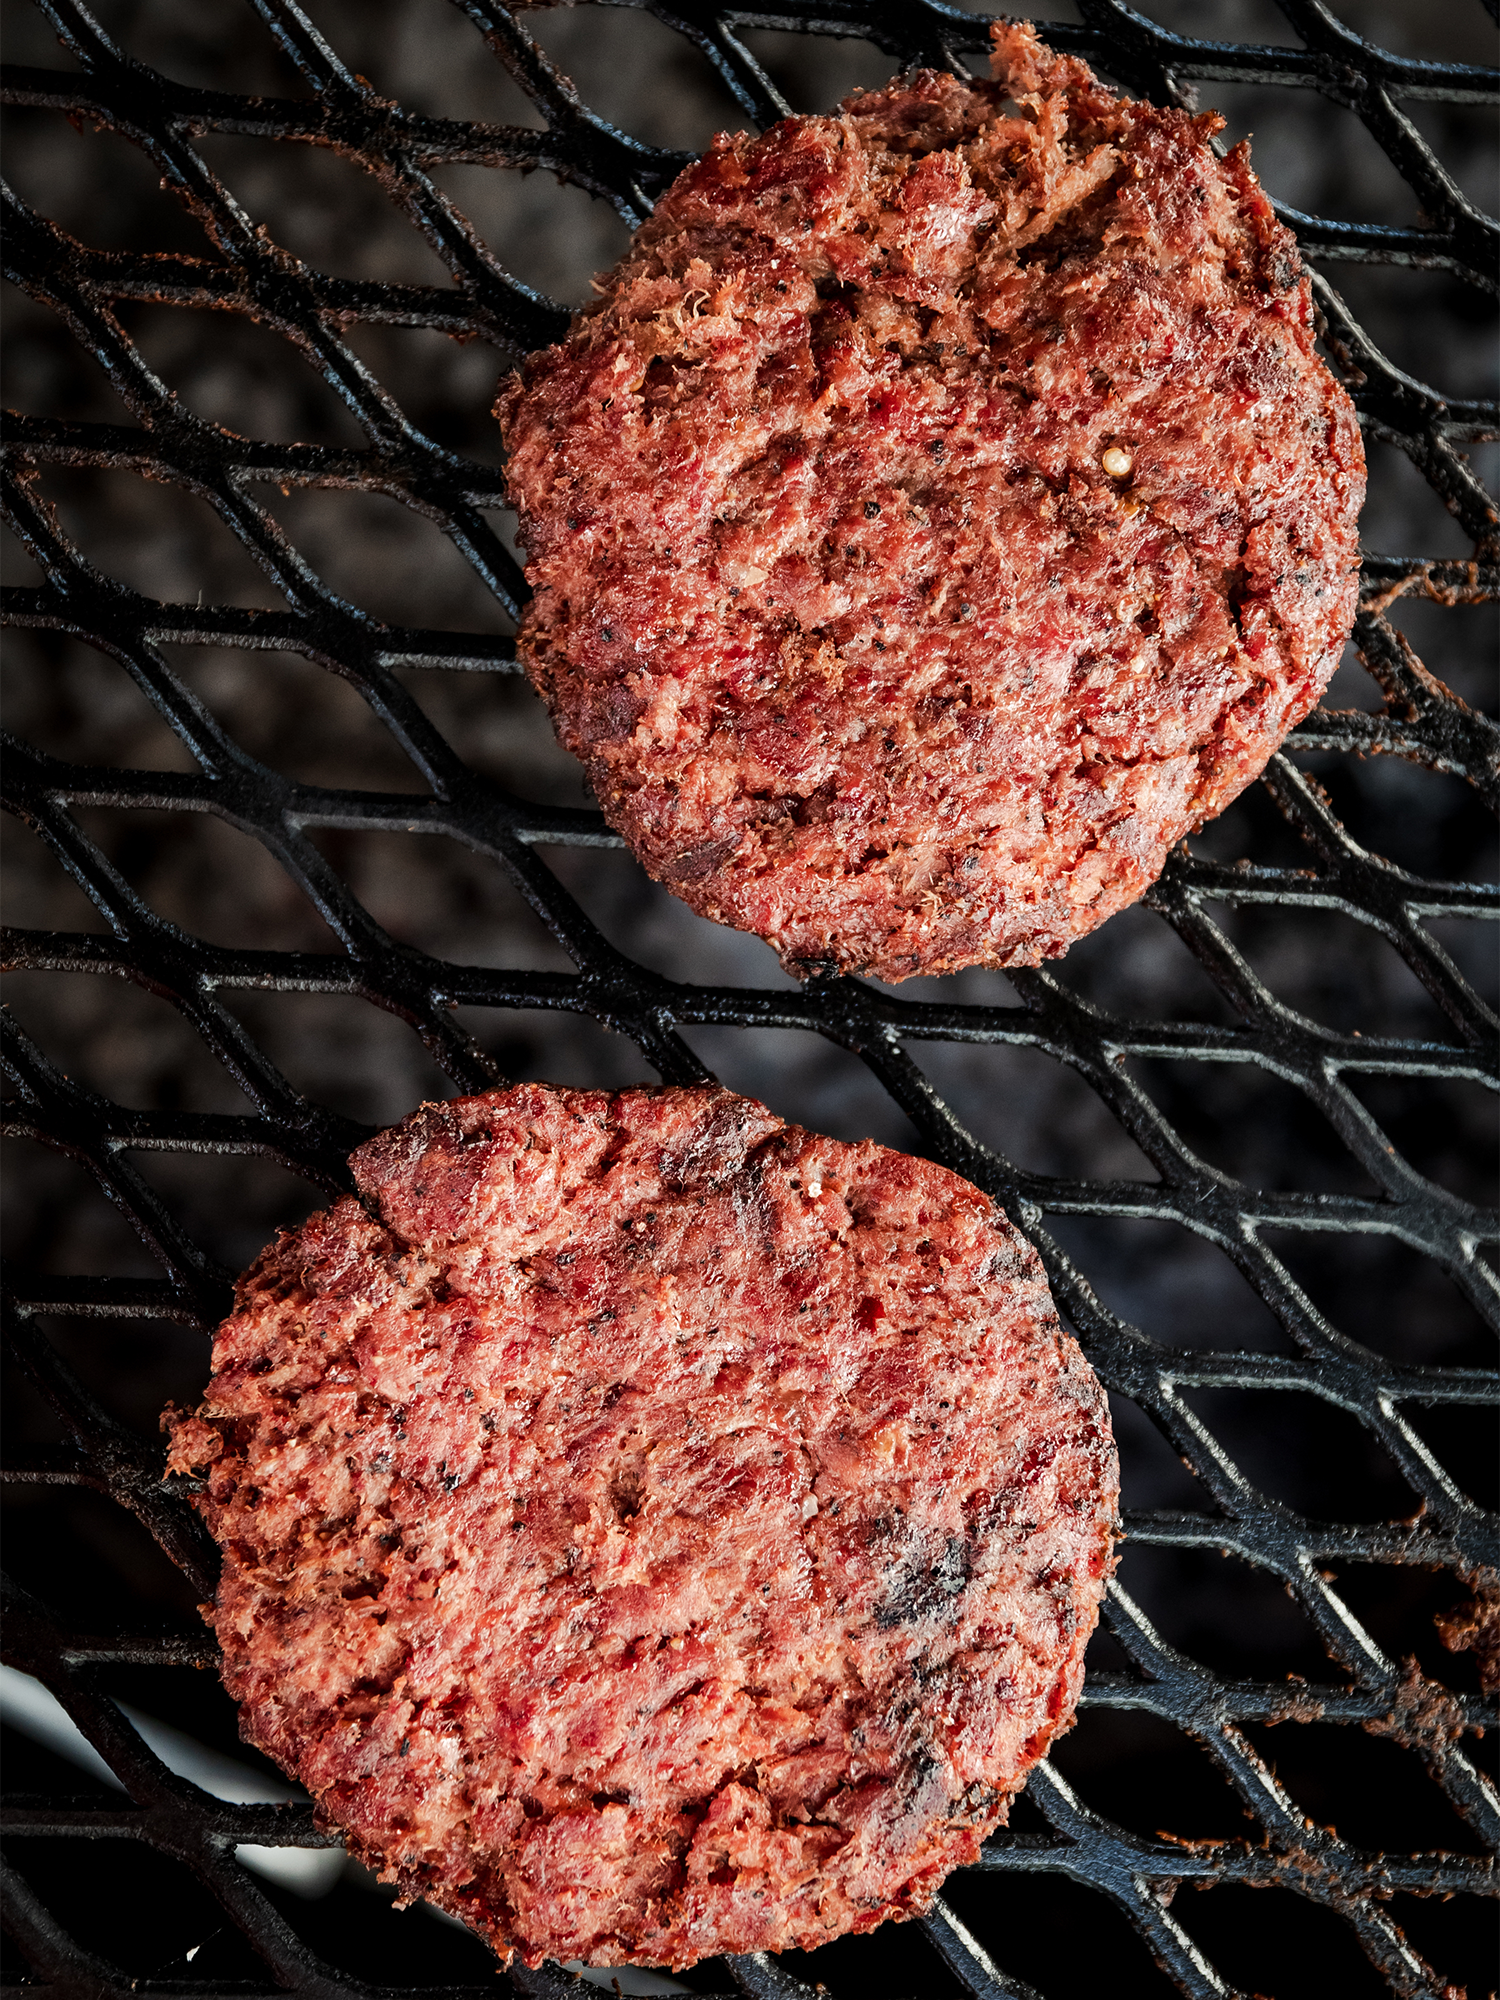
point(1418, 719)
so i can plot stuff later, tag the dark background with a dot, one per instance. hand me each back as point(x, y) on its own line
point(97, 1568)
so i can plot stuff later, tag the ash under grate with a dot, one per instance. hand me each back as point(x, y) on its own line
point(1039, 1089)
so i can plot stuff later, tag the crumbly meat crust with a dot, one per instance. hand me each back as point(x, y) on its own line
point(868, 640)
point(650, 1529)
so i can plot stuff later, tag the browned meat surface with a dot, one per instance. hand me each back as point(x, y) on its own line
point(650, 1529)
point(942, 511)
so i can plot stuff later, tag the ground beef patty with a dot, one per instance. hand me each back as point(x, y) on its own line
point(942, 511)
point(651, 1529)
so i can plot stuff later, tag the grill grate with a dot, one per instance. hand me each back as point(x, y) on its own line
point(1202, 899)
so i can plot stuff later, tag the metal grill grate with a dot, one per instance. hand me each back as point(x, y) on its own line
point(1326, 870)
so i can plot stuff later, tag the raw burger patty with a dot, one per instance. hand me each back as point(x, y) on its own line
point(942, 511)
point(651, 1529)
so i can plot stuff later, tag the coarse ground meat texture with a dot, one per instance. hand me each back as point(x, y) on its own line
point(942, 511)
point(651, 1529)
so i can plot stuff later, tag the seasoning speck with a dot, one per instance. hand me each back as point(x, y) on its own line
point(1117, 462)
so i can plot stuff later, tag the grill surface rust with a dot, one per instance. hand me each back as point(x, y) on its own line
point(1288, 853)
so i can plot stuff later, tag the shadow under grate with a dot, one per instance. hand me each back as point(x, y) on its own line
point(923, 1051)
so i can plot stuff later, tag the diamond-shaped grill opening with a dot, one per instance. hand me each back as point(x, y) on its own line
point(242, 638)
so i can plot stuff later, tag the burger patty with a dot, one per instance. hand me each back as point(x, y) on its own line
point(650, 1529)
point(941, 512)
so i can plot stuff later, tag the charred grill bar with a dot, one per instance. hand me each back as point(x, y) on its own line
point(1418, 719)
